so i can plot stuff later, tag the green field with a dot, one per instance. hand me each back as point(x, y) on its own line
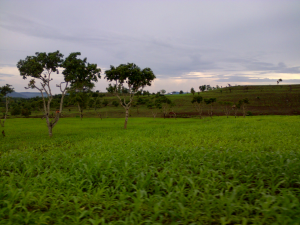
point(162, 171)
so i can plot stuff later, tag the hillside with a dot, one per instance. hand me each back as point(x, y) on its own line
point(263, 99)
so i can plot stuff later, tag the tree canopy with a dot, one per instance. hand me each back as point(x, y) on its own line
point(131, 74)
point(79, 72)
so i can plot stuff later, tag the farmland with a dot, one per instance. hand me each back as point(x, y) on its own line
point(162, 171)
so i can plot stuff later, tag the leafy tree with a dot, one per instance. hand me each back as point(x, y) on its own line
point(197, 103)
point(110, 89)
point(193, 91)
point(165, 103)
point(154, 106)
point(16, 110)
point(25, 112)
point(279, 80)
point(105, 102)
point(115, 103)
point(226, 107)
point(181, 92)
point(4, 90)
point(131, 75)
point(163, 91)
point(242, 104)
point(40, 68)
point(210, 102)
point(81, 75)
point(202, 88)
point(140, 101)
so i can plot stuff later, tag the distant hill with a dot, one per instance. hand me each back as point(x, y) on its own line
point(25, 94)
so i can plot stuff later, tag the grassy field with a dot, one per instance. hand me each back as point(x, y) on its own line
point(163, 171)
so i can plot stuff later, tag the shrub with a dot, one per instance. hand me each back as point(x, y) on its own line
point(249, 113)
point(25, 112)
point(16, 111)
point(115, 103)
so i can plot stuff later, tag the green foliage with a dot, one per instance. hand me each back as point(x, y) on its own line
point(79, 72)
point(197, 99)
point(25, 112)
point(193, 91)
point(130, 74)
point(115, 103)
point(202, 88)
point(33, 66)
point(196, 172)
point(210, 100)
point(6, 89)
point(16, 110)
point(105, 102)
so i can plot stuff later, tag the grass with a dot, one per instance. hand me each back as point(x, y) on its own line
point(183, 171)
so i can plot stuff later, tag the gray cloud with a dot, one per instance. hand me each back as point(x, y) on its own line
point(6, 75)
point(173, 38)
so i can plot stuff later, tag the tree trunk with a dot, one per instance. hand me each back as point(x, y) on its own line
point(50, 130)
point(80, 111)
point(6, 111)
point(126, 117)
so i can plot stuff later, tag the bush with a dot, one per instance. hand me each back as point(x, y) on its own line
point(25, 112)
point(105, 102)
point(115, 103)
point(16, 111)
point(249, 113)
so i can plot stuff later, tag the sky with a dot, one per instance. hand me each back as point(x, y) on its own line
point(186, 43)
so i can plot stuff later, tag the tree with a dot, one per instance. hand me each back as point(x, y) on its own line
point(181, 92)
point(40, 68)
point(4, 90)
point(242, 104)
point(163, 91)
point(131, 75)
point(197, 103)
point(165, 104)
point(226, 107)
point(81, 75)
point(193, 91)
point(279, 80)
point(154, 107)
point(210, 102)
point(202, 88)
point(105, 102)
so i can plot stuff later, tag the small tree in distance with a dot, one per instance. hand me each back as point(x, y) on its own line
point(197, 103)
point(202, 88)
point(279, 80)
point(242, 104)
point(193, 91)
point(210, 102)
point(131, 75)
point(4, 90)
point(226, 107)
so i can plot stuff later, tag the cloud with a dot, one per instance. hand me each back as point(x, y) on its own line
point(5, 75)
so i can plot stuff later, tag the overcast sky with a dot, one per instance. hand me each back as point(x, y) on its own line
point(186, 43)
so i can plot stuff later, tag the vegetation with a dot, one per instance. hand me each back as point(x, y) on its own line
point(39, 68)
point(4, 90)
point(134, 77)
point(221, 171)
